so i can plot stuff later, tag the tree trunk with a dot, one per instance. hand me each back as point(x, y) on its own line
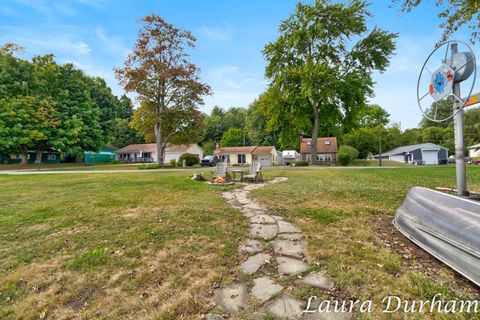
point(23, 155)
point(38, 157)
point(160, 145)
point(313, 143)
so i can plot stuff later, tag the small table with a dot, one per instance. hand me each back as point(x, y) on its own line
point(239, 171)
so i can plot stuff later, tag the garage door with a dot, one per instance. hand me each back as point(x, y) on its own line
point(430, 156)
point(265, 161)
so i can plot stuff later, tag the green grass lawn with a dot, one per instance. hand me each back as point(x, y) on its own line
point(151, 245)
point(147, 245)
point(339, 210)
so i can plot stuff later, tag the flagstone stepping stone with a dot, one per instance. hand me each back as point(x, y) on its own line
point(253, 206)
point(318, 280)
point(264, 288)
point(266, 231)
point(285, 308)
point(325, 315)
point(232, 298)
point(277, 218)
point(262, 218)
point(290, 266)
point(290, 236)
point(228, 195)
point(286, 227)
point(251, 246)
point(253, 263)
point(249, 213)
point(289, 248)
point(328, 316)
point(212, 317)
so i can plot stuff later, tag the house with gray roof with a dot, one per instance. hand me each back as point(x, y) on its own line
point(424, 153)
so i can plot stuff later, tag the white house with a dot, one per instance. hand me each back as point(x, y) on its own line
point(147, 152)
point(474, 151)
point(265, 155)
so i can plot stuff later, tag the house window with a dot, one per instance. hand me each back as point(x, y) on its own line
point(28, 156)
point(241, 158)
point(51, 157)
point(327, 142)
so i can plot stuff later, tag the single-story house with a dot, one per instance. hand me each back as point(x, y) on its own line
point(147, 152)
point(426, 153)
point(326, 149)
point(105, 154)
point(265, 155)
point(474, 151)
point(48, 156)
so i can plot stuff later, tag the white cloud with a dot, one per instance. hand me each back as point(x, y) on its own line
point(223, 33)
point(112, 43)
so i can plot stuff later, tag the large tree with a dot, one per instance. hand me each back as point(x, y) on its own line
point(233, 137)
point(26, 122)
point(316, 62)
point(158, 71)
point(69, 110)
point(455, 14)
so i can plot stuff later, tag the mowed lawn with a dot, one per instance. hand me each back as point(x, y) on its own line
point(112, 246)
point(339, 211)
point(153, 245)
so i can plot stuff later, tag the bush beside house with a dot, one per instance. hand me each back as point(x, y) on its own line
point(346, 155)
point(189, 158)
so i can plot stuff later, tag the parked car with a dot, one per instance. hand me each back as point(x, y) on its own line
point(209, 161)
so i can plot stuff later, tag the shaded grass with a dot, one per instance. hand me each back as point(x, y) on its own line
point(113, 246)
point(334, 209)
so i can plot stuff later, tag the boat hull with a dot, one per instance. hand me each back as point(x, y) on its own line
point(445, 226)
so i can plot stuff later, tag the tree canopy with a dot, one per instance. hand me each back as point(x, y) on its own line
point(166, 83)
point(47, 105)
point(319, 72)
point(454, 13)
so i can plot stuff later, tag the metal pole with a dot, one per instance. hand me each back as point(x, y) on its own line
point(458, 128)
point(380, 145)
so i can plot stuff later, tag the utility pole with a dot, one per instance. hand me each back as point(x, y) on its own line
point(458, 129)
point(380, 145)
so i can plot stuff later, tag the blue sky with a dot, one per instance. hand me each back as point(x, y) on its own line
point(96, 35)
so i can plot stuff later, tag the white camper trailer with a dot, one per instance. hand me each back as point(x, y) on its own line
point(290, 156)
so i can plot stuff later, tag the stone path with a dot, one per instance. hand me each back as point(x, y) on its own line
point(274, 258)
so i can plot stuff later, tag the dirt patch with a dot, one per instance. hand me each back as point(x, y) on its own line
point(82, 297)
point(415, 258)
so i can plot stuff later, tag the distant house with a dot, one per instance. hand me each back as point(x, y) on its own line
point(265, 155)
point(147, 152)
point(425, 153)
point(326, 149)
point(48, 156)
point(474, 151)
point(105, 154)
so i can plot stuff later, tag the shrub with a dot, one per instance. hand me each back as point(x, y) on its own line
point(172, 163)
point(301, 164)
point(346, 155)
point(190, 159)
point(115, 162)
point(343, 158)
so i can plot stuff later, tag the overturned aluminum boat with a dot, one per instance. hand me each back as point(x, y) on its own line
point(446, 226)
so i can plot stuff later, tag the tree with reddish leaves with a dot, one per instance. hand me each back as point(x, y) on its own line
point(166, 83)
